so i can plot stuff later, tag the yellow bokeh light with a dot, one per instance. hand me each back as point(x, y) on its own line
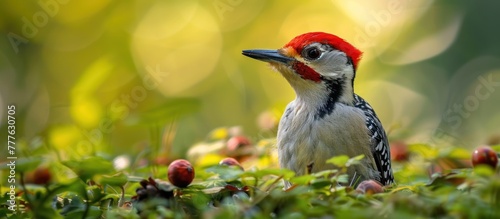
point(64, 136)
point(185, 54)
point(86, 112)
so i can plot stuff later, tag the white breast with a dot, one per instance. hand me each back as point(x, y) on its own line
point(303, 140)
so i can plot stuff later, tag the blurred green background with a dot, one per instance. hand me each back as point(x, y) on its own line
point(117, 76)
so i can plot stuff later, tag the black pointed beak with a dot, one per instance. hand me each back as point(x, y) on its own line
point(267, 55)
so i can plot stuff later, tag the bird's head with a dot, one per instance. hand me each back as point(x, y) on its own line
point(315, 62)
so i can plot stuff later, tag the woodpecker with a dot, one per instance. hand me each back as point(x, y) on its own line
point(326, 118)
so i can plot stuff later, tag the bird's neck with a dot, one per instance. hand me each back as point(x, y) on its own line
point(321, 98)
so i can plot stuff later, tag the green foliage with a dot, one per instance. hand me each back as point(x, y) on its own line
point(228, 192)
point(89, 167)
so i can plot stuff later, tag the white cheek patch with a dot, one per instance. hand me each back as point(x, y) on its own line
point(331, 74)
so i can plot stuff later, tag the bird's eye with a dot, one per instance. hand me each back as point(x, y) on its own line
point(312, 53)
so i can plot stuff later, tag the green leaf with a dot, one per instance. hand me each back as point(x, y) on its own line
point(302, 180)
point(285, 173)
point(118, 179)
point(134, 178)
point(225, 172)
point(339, 161)
point(320, 183)
point(93, 212)
point(46, 213)
point(457, 153)
point(166, 112)
point(325, 173)
point(405, 189)
point(355, 160)
point(89, 167)
point(200, 200)
point(344, 178)
point(213, 190)
point(114, 197)
point(484, 170)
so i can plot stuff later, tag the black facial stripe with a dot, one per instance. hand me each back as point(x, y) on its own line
point(336, 90)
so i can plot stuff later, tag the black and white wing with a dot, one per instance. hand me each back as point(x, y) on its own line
point(379, 144)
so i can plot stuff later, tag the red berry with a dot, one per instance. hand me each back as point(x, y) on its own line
point(239, 147)
point(399, 151)
point(484, 155)
point(229, 161)
point(42, 176)
point(236, 142)
point(180, 173)
point(370, 187)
